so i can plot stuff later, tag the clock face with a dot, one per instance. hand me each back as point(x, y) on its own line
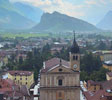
point(75, 66)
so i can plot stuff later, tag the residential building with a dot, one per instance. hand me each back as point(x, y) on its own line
point(22, 77)
point(109, 76)
point(108, 65)
point(11, 91)
point(60, 79)
point(104, 55)
point(93, 86)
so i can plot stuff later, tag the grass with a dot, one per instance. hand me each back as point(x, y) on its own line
point(107, 34)
point(24, 35)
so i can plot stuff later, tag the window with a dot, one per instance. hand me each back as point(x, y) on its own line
point(26, 78)
point(73, 57)
point(76, 57)
point(0, 86)
point(26, 83)
point(60, 70)
point(60, 82)
point(20, 78)
point(15, 78)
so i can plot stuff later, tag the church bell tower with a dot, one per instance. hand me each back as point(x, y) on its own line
point(75, 56)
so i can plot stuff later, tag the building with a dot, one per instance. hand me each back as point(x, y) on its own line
point(93, 86)
point(22, 77)
point(99, 95)
point(103, 93)
point(60, 79)
point(109, 76)
point(108, 65)
point(104, 55)
point(11, 91)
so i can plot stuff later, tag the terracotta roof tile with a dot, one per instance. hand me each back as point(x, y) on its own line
point(52, 63)
point(94, 83)
point(98, 95)
point(23, 73)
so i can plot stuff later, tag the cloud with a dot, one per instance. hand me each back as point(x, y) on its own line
point(89, 10)
point(63, 6)
point(90, 2)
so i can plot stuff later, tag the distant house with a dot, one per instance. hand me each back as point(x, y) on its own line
point(109, 76)
point(98, 95)
point(104, 55)
point(55, 50)
point(10, 91)
point(103, 91)
point(22, 77)
point(93, 86)
point(108, 65)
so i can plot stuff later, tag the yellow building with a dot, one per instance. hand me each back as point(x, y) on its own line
point(109, 76)
point(108, 65)
point(22, 77)
point(93, 86)
point(104, 55)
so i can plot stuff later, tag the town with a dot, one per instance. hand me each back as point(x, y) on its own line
point(43, 68)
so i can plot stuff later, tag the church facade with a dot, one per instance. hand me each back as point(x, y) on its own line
point(60, 79)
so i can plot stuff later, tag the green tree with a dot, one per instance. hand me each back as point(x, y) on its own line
point(102, 46)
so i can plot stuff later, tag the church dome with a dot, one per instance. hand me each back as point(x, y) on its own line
point(75, 47)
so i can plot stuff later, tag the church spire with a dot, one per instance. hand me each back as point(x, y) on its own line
point(74, 47)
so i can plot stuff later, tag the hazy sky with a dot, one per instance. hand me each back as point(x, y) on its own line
point(89, 10)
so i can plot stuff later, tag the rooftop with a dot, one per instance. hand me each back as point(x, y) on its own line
point(21, 73)
point(52, 63)
point(110, 74)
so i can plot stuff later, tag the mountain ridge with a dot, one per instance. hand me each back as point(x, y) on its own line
point(61, 22)
point(12, 18)
point(106, 22)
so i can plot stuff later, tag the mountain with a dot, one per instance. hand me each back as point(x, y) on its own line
point(60, 22)
point(12, 18)
point(106, 22)
point(30, 12)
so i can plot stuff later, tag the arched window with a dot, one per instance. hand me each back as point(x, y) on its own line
point(76, 57)
point(73, 57)
point(60, 82)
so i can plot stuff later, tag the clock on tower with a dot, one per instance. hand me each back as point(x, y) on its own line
point(75, 56)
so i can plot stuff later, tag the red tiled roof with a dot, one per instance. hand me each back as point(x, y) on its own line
point(9, 90)
point(23, 73)
point(94, 83)
point(52, 63)
point(107, 84)
point(98, 95)
point(5, 86)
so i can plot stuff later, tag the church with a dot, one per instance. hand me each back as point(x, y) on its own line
point(60, 79)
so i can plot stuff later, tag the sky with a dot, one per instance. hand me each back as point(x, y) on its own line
point(89, 10)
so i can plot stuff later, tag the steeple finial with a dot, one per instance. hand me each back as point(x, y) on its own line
point(75, 47)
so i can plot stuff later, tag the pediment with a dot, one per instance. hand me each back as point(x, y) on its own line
point(58, 69)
